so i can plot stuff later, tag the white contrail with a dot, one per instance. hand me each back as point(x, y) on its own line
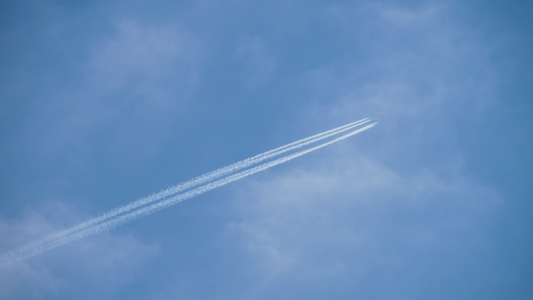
point(26, 252)
point(197, 181)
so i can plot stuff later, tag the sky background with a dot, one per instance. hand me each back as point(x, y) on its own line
point(105, 102)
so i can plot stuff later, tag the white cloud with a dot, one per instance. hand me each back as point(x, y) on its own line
point(132, 89)
point(145, 53)
point(402, 16)
point(350, 214)
point(99, 265)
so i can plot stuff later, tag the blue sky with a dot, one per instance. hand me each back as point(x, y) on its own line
point(106, 102)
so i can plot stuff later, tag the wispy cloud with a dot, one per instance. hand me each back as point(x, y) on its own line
point(352, 217)
point(134, 81)
point(109, 259)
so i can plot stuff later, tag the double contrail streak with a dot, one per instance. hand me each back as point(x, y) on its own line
point(190, 184)
point(172, 195)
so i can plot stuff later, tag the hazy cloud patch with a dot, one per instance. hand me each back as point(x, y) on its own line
point(101, 264)
point(350, 215)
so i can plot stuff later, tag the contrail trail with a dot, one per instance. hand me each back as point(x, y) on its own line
point(197, 181)
point(133, 214)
